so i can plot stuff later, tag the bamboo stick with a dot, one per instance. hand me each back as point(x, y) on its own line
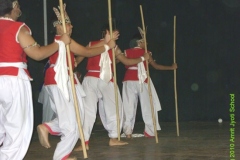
point(114, 70)
point(148, 75)
point(175, 74)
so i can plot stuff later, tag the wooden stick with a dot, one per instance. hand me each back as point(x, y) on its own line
point(73, 85)
point(114, 70)
point(175, 73)
point(148, 75)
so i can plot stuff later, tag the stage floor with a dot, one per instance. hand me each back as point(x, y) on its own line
point(196, 141)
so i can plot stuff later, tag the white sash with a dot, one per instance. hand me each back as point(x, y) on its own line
point(142, 75)
point(105, 67)
point(61, 77)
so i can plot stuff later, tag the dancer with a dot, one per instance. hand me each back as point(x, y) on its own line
point(135, 86)
point(65, 124)
point(43, 98)
point(16, 106)
point(99, 88)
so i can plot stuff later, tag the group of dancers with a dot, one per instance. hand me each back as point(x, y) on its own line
point(96, 92)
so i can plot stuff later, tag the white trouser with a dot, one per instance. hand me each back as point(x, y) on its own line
point(44, 99)
point(65, 123)
point(16, 116)
point(99, 91)
point(131, 92)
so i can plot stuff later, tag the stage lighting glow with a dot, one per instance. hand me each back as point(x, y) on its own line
point(194, 87)
point(220, 120)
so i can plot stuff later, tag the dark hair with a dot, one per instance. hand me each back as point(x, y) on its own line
point(6, 7)
point(137, 36)
point(134, 41)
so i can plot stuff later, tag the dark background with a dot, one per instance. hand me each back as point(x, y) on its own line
point(207, 48)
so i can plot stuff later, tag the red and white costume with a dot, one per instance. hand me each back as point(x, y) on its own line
point(65, 123)
point(132, 90)
point(103, 93)
point(16, 107)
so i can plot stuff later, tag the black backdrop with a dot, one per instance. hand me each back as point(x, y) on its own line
point(207, 48)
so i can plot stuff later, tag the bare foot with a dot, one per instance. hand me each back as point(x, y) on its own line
point(116, 142)
point(43, 135)
point(129, 136)
point(71, 158)
point(79, 148)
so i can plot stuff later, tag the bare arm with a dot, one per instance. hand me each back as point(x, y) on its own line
point(130, 61)
point(99, 44)
point(36, 52)
point(106, 40)
point(79, 59)
point(80, 50)
point(161, 67)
